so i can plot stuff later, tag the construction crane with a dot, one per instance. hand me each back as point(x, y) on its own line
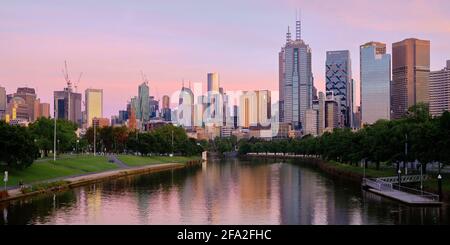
point(78, 82)
point(65, 73)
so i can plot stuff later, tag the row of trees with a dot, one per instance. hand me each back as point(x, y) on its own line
point(20, 146)
point(415, 137)
point(17, 147)
point(163, 140)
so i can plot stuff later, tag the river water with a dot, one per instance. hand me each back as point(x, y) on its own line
point(222, 192)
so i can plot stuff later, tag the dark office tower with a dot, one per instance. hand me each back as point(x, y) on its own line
point(410, 71)
point(67, 105)
point(295, 80)
point(339, 81)
point(166, 112)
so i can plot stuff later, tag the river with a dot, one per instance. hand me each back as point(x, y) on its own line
point(222, 192)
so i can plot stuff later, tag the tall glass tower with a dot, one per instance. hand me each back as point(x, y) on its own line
point(143, 112)
point(339, 81)
point(295, 80)
point(375, 76)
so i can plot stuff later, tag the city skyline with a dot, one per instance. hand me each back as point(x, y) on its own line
point(111, 46)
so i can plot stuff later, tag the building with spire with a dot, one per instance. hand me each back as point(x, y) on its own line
point(296, 80)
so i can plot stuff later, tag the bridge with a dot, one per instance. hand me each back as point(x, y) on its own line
point(392, 190)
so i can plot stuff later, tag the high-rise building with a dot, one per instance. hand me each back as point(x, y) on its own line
point(2, 102)
point(214, 100)
point(153, 107)
point(440, 91)
point(332, 113)
point(295, 80)
point(312, 122)
point(67, 105)
point(339, 81)
point(410, 75)
point(44, 110)
point(29, 95)
point(166, 112)
point(375, 73)
point(255, 109)
point(186, 108)
point(143, 106)
point(94, 105)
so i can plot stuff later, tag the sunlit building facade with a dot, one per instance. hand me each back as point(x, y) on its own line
point(440, 91)
point(375, 73)
point(93, 104)
point(410, 75)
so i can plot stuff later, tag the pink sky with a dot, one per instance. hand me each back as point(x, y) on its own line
point(112, 41)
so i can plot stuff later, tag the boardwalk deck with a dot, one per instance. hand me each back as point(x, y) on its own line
point(404, 197)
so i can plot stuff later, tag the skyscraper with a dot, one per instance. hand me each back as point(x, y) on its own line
point(166, 113)
point(29, 95)
point(440, 91)
point(410, 71)
point(214, 100)
point(94, 105)
point(153, 106)
point(143, 107)
point(67, 105)
point(295, 80)
point(255, 108)
point(186, 108)
point(339, 81)
point(375, 73)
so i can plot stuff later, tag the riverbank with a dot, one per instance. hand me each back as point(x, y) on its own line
point(355, 173)
point(68, 182)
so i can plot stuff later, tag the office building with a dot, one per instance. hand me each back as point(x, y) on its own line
point(2, 102)
point(375, 73)
point(255, 109)
point(295, 80)
point(339, 81)
point(67, 105)
point(93, 104)
point(166, 113)
point(410, 75)
point(143, 106)
point(440, 91)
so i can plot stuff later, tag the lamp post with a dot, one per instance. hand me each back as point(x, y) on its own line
point(78, 141)
point(399, 172)
point(440, 187)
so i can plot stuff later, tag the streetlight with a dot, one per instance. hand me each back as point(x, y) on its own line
point(440, 187)
point(78, 141)
point(399, 172)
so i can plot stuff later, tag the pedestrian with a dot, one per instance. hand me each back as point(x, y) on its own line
point(21, 184)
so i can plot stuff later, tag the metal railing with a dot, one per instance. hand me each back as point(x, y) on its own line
point(404, 179)
point(416, 192)
point(378, 184)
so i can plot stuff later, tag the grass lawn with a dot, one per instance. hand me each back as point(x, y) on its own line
point(370, 172)
point(66, 166)
point(133, 161)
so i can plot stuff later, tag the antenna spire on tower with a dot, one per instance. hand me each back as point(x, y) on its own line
point(298, 27)
point(288, 35)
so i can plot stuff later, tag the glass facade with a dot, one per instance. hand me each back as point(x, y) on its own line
point(375, 82)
